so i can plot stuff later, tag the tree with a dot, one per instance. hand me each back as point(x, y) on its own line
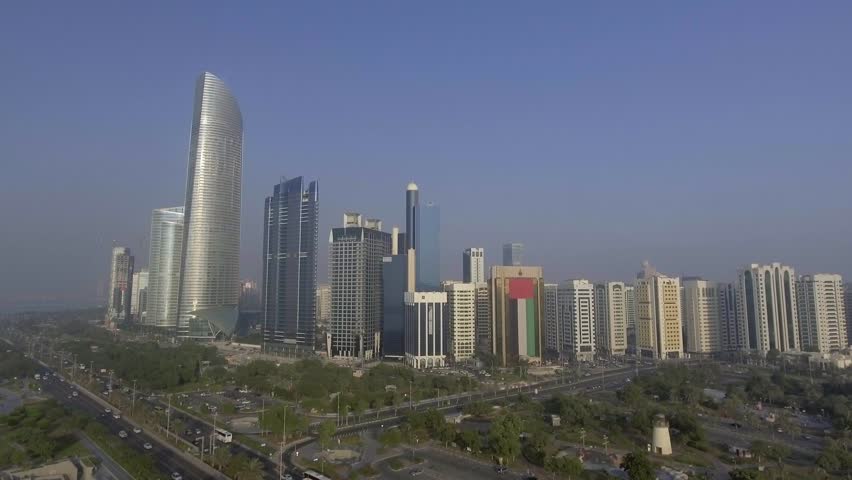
point(469, 439)
point(637, 466)
point(504, 437)
point(742, 474)
point(564, 467)
point(391, 438)
point(326, 432)
point(221, 457)
point(252, 470)
point(771, 451)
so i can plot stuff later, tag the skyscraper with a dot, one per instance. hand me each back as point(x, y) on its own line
point(290, 244)
point(427, 327)
point(552, 319)
point(461, 300)
point(356, 253)
point(577, 309)
point(703, 316)
point(394, 285)
point(323, 304)
point(428, 249)
point(767, 307)
point(611, 318)
point(822, 313)
point(164, 267)
point(517, 306)
point(139, 295)
point(659, 333)
point(847, 306)
point(630, 315)
point(513, 254)
point(120, 287)
point(483, 317)
point(473, 265)
point(210, 265)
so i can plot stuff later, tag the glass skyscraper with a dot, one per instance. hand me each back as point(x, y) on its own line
point(164, 267)
point(210, 283)
point(428, 249)
point(290, 231)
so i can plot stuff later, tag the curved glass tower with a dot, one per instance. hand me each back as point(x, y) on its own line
point(164, 267)
point(209, 283)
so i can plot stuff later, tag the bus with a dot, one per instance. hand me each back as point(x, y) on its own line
point(312, 475)
point(223, 436)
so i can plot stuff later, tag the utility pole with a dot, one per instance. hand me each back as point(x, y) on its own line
point(605, 444)
point(169, 417)
point(338, 409)
point(262, 411)
point(583, 436)
point(133, 399)
point(91, 370)
point(213, 440)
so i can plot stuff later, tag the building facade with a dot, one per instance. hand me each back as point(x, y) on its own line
point(356, 253)
point(290, 243)
point(577, 309)
point(822, 313)
point(847, 306)
point(166, 248)
point(659, 332)
point(473, 265)
point(513, 254)
point(630, 315)
point(611, 318)
point(210, 265)
point(120, 287)
point(427, 327)
point(767, 307)
point(731, 334)
point(483, 317)
point(139, 295)
point(517, 305)
point(394, 285)
point(702, 315)
point(552, 319)
point(428, 249)
point(323, 304)
point(461, 302)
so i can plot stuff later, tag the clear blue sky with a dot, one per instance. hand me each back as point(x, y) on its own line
point(698, 135)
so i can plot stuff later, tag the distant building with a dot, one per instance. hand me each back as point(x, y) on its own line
point(139, 295)
point(429, 249)
point(702, 315)
point(290, 246)
point(120, 287)
point(659, 331)
point(731, 332)
point(323, 304)
point(767, 307)
point(249, 296)
point(822, 313)
point(164, 267)
point(517, 305)
point(611, 318)
point(356, 253)
point(552, 319)
point(394, 282)
point(461, 301)
point(847, 306)
point(473, 265)
point(483, 317)
point(513, 254)
point(577, 309)
point(427, 328)
point(630, 314)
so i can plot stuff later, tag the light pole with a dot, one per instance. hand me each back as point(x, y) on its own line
point(133, 399)
point(606, 444)
point(213, 440)
point(169, 416)
point(583, 436)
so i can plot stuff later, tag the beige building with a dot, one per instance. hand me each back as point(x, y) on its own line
point(517, 306)
point(659, 332)
point(611, 318)
point(461, 301)
point(766, 296)
point(822, 314)
point(577, 311)
point(702, 317)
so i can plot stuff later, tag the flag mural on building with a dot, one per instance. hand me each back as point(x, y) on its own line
point(517, 309)
point(522, 297)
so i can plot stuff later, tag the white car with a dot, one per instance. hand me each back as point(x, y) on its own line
point(137, 430)
point(108, 410)
point(122, 434)
point(147, 446)
point(176, 476)
point(116, 415)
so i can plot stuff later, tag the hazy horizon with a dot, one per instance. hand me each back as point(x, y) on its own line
point(699, 136)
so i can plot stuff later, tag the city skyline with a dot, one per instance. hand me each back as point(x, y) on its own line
point(643, 118)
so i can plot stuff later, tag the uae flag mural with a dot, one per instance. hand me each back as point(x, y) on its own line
point(522, 314)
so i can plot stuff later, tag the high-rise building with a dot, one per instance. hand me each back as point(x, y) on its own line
point(210, 266)
point(630, 315)
point(702, 315)
point(120, 287)
point(290, 245)
point(394, 285)
point(731, 334)
point(139, 295)
point(461, 301)
point(847, 307)
point(426, 329)
point(428, 249)
point(767, 307)
point(822, 313)
point(356, 253)
point(483, 317)
point(164, 267)
point(552, 320)
point(517, 306)
point(513, 254)
point(323, 304)
point(577, 309)
point(473, 265)
point(249, 296)
point(659, 332)
point(611, 318)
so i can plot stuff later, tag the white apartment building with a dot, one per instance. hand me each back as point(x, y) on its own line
point(461, 301)
point(426, 329)
point(822, 313)
point(611, 318)
point(702, 316)
point(473, 265)
point(552, 321)
point(577, 309)
point(766, 296)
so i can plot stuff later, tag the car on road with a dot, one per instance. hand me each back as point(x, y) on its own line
point(147, 446)
point(286, 476)
point(416, 472)
point(116, 416)
point(137, 430)
point(501, 469)
point(74, 393)
point(177, 476)
point(108, 410)
point(198, 431)
point(122, 434)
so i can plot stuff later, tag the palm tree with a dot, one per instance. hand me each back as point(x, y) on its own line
point(221, 458)
point(253, 471)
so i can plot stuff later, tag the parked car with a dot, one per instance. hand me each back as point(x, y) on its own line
point(122, 434)
point(147, 446)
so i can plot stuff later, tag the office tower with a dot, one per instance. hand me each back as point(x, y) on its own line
point(731, 335)
point(577, 309)
point(394, 283)
point(428, 249)
point(412, 216)
point(822, 314)
point(426, 329)
point(630, 316)
point(483, 317)
point(552, 324)
point(517, 306)
point(120, 287)
point(249, 296)
point(356, 253)
point(473, 265)
point(461, 301)
point(702, 315)
point(611, 311)
point(847, 306)
point(659, 333)
point(139, 295)
point(164, 267)
point(513, 254)
point(767, 307)
point(323, 303)
point(291, 223)
point(210, 266)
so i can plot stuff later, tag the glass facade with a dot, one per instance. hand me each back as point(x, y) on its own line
point(164, 267)
point(428, 249)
